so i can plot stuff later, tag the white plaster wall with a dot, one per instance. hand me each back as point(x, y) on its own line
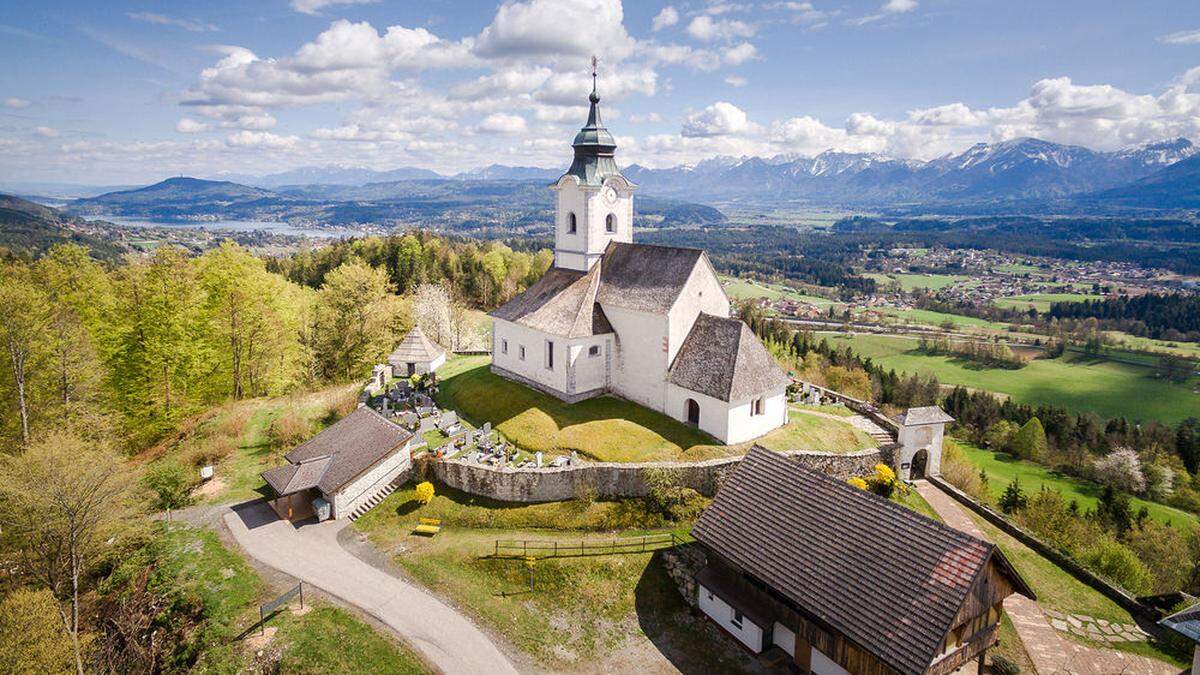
point(580, 250)
point(742, 426)
point(914, 438)
point(701, 293)
point(823, 665)
point(720, 611)
point(366, 485)
point(589, 371)
point(784, 638)
point(714, 413)
point(437, 362)
point(534, 365)
point(639, 370)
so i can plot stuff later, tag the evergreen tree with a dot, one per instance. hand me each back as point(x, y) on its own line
point(1030, 440)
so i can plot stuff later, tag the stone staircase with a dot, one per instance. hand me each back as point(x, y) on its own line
point(374, 499)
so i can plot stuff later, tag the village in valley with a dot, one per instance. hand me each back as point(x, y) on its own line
point(579, 440)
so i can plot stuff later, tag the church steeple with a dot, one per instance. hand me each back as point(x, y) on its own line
point(594, 145)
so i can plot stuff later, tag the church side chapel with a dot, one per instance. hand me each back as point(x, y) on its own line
point(650, 324)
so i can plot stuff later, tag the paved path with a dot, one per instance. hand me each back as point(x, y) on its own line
point(311, 553)
point(1051, 654)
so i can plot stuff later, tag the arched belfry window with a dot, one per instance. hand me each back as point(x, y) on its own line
point(571, 223)
point(610, 223)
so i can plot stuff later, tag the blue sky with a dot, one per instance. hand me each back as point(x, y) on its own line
point(121, 92)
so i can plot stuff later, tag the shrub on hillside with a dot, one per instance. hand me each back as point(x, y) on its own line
point(424, 492)
point(1013, 499)
point(1122, 469)
point(884, 482)
point(1169, 554)
point(288, 430)
point(959, 472)
point(32, 639)
point(171, 484)
point(1048, 515)
point(1160, 481)
point(1000, 435)
point(1109, 558)
point(1030, 440)
point(211, 451)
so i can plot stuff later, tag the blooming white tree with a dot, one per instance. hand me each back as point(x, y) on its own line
point(433, 311)
point(1122, 469)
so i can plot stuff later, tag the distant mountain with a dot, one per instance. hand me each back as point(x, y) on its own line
point(503, 172)
point(29, 229)
point(175, 198)
point(330, 175)
point(1021, 169)
point(1174, 186)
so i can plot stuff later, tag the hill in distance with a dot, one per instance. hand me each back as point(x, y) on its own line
point(28, 229)
point(1175, 186)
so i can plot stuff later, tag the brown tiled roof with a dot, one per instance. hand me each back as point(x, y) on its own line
point(337, 455)
point(562, 302)
point(723, 359)
point(415, 348)
point(887, 578)
point(645, 277)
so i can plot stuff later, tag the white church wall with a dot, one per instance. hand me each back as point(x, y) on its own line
point(714, 413)
point(701, 293)
point(744, 426)
point(589, 371)
point(569, 248)
point(533, 366)
point(639, 366)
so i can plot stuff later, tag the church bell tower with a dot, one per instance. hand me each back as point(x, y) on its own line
point(593, 201)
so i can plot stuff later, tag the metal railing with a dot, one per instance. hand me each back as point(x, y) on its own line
point(526, 548)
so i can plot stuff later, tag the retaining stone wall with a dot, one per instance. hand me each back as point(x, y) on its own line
point(616, 480)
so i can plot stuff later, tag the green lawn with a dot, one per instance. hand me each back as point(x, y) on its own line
point(612, 613)
point(608, 428)
point(330, 640)
point(742, 289)
point(1002, 468)
point(1107, 388)
point(1041, 301)
point(910, 282)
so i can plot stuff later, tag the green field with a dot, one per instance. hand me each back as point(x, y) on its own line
point(1002, 468)
point(744, 289)
point(1018, 268)
point(608, 428)
point(1041, 301)
point(910, 282)
point(1107, 388)
point(932, 318)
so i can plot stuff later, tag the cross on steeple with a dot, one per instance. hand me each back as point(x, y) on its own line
point(595, 65)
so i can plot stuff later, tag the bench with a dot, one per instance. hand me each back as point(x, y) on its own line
point(429, 526)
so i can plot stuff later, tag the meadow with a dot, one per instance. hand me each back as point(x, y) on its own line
point(1041, 301)
point(1107, 388)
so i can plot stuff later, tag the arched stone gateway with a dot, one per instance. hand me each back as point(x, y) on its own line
point(920, 462)
point(920, 441)
point(692, 408)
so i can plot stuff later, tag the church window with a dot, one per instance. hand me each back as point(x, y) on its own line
point(571, 223)
point(594, 350)
point(549, 355)
point(610, 223)
point(757, 407)
point(503, 346)
point(522, 352)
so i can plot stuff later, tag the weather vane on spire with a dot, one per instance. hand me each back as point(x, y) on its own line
point(595, 64)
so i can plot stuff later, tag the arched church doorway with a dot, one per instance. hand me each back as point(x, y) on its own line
point(693, 412)
point(919, 463)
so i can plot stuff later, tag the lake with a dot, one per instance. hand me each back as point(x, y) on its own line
point(272, 227)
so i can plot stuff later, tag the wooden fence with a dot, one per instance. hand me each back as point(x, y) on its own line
point(525, 548)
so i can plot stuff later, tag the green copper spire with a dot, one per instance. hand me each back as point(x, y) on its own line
point(594, 146)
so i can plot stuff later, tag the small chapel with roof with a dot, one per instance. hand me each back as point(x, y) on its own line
point(650, 324)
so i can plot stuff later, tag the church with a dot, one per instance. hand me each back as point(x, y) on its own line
point(650, 324)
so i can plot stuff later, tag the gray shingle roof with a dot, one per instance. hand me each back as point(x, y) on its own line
point(723, 359)
point(337, 455)
point(415, 348)
point(645, 277)
point(1186, 623)
point(562, 302)
point(930, 414)
point(889, 579)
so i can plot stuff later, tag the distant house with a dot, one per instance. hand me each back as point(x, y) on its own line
point(844, 581)
point(341, 470)
point(1187, 624)
point(416, 354)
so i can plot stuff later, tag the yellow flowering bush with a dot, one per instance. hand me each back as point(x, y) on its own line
point(424, 492)
point(883, 472)
point(858, 483)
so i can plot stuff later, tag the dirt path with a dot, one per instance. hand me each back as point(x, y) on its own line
point(1051, 653)
point(311, 552)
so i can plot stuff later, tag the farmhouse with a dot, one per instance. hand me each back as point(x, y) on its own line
point(844, 581)
point(648, 323)
point(416, 355)
point(340, 471)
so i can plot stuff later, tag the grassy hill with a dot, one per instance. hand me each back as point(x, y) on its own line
point(29, 229)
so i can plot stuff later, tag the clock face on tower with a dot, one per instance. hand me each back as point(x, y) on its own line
point(610, 195)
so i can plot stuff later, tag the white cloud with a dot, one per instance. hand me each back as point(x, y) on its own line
point(260, 139)
point(668, 16)
point(17, 103)
point(953, 115)
point(315, 6)
point(502, 123)
point(804, 12)
point(708, 29)
point(740, 54)
point(719, 119)
point(648, 118)
point(1182, 37)
point(193, 25)
point(719, 8)
point(574, 29)
point(735, 80)
point(187, 125)
point(46, 132)
point(898, 6)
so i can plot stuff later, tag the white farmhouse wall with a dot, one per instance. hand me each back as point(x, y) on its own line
point(533, 367)
point(823, 665)
point(701, 293)
point(640, 358)
point(784, 638)
point(743, 426)
point(720, 611)
point(365, 486)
